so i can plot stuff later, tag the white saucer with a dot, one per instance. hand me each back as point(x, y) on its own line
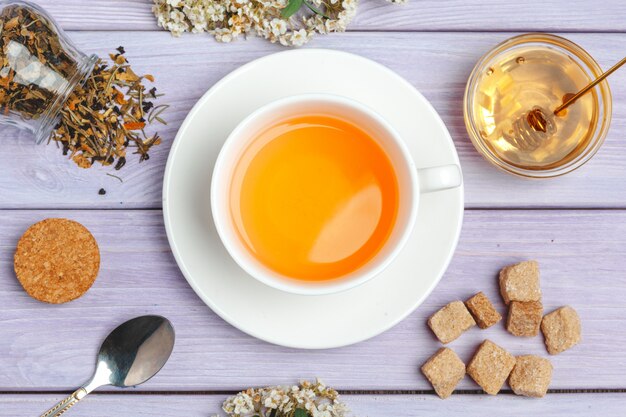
point(312, 322)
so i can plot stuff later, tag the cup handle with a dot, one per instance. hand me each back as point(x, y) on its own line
point(439, 178)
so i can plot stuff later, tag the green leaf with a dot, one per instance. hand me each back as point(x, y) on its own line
point(315, 9)
point(300, 413)
point(292, 7)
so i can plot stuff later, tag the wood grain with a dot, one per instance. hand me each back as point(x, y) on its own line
point(47, 347)
point(417, 15)
point(581, 252)
point(504, 405)
point(438, 64)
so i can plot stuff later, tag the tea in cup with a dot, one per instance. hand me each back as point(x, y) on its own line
point(315, 194)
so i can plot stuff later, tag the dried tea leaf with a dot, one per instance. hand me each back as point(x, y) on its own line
point(11, 23)
point(105, 116)
point(134, 125)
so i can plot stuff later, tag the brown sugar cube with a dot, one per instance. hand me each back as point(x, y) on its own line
point(483, 311)
point(520, 282)
point(451, 321)
point(444, 370)
point(490, 367)
point(561, 328)
point(524, 318)
point(531, 376)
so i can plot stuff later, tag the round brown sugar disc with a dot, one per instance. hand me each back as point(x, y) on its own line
point(57, 260)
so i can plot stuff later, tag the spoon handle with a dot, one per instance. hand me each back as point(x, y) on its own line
point(66, 403)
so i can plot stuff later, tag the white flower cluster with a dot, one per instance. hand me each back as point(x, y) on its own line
point(316, 399)
point(228, 19)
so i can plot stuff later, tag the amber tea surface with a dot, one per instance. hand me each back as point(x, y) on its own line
point(314, 197)
point(515, 99)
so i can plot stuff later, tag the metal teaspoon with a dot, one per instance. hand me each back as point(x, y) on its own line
point(130, 355)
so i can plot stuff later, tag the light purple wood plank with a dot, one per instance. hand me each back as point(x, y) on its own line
point(503, 405)
point(50, 347)
point(417, 15)
point(40, 177)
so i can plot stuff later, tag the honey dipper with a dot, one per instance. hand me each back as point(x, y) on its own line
point(535, 127)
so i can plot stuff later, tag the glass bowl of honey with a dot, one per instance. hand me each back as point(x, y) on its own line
point(510, 100)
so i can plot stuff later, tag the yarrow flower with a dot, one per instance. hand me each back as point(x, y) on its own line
point(226, 20)
point(240, 404)
point(310, 399)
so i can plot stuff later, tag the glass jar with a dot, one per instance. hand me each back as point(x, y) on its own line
point(521, 81)
point(40, 68)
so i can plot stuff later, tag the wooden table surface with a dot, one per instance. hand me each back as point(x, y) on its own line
point(575, 226)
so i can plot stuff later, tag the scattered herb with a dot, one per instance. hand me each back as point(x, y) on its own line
point(116, 177)
point(108, 115)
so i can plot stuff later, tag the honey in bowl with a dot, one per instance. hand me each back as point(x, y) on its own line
point(314, 197)
point(510, 101)
point(528, 78)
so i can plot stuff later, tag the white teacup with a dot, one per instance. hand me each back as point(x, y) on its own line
point(412, 182)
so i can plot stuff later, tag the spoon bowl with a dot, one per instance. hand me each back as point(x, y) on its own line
point(130, 355)
point(135, 351)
